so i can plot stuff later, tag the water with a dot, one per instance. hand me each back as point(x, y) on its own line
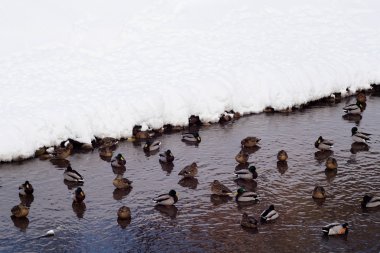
point(199, 222)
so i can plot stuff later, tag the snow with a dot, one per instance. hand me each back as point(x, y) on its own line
point(81, 69)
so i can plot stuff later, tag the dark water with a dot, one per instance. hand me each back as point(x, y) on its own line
point(200, 223)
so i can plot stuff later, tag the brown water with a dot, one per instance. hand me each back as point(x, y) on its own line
point(199, 222)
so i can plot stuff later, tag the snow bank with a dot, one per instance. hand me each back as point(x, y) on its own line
point(83, 68)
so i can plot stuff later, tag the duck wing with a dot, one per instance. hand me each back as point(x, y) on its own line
point(161, 198)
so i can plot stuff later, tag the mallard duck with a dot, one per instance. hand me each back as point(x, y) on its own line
point(323, 144)
point(249, 173)
point(63, 152)
point(218, 188)
point(269, 214)
point(121, 183)
point(189, 171)
point(359, 136)
point(166, 157)
point(331, 163)
point(370, 201)
point(250, 142)
point(191, 137)
point(118, 161)
point(242, 157)
point(282, 156)
point(105, 151)
point(335, 229)
point(245, 196)
point(319, 192)
point(72, 175)
point(151, 146)
point(124, 213)
point(167, 199)
point(361, 97)
point(226, 117)
point(248, 221)
point(26, 189)
point(78, 195)
point(20, 211)
point(357, 108)
point(108, 142)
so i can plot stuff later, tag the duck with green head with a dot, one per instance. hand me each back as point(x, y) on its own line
point(118, 161)
point(269, 214)
point(191, 137)
point(335, 229)
point(247, 174)
point(78, 195)
point(167, 199)
point(360, 136)
point(357, 108)
point(26, 189)
point(323, 144)
point(166, 157)
point(370, 201)
point(151, 146)
point(245, 196)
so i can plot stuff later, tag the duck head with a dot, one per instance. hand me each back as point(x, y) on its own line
point(354, 130)
point(172, 193)
point(252, 169)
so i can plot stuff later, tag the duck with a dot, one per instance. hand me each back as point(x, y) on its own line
point(249, 142)
point(331, 163)
point(78, 195)
point(269, 214)
point(189, 171)
point(361, 97)
point(242, 157)
point(282, 156)
point(357, 108)
point(245, 196)
point(168, 199)
point(26, 189)
point(226, 117)
point(191, 137)
point(319, 192)
point(370, 201)
point(63, 152)
point(360, 136)
point(335, 229)
point(248, 174)
point(121, 183)
point(323, 144)
point(124, 213)
point(108, 142)
point(218, 188)
point(118, 161)
point(248, 221)
point(166, 157)
point(151, 146)
point(20, 211)
point(105, 151)
point(72, 175)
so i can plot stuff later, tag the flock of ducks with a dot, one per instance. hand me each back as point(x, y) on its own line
point(246, 172)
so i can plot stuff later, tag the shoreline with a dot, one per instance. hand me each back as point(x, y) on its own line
point(194, 124)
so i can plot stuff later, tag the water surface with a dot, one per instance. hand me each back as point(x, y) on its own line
point(200, 222)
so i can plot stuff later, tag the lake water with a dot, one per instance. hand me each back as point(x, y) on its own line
point(200, 222)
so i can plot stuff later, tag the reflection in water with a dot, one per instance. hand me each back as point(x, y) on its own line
point(249, 185)
point(170, 211)
point(242, 166)
point(250, 230)
point(60, 163)
point(319, 202)
point(282, 166)
point(355, 118)
point(119, 194)
point(71, 184)
point(106, 158)
point(123, 223)
point(167, 167)
point(26, 200)
point(79, 209)
point(251, 150)
point(322, 155)
point(358, 147)
point(330, 174)
point(188, 182)
point(118, 170)
point(21, 223)
point(219, 199)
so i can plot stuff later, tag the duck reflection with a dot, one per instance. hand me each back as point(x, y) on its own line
point(355, 118)
point(118, 170)
point(189, 182)
point(250, 230)
point(358, 147)
point(21, 223)
point(330, 174)
point(167, 167)
point(71, 184)
point(219, 199)
point(26, 200)
point(79, 209)
point(60, 163)
point(170, 211)
point(249, 185)
point(322, 155)
point(119, 194)
point(123, 223)
point(282, 166)
point(251, 150)
point(242, 166)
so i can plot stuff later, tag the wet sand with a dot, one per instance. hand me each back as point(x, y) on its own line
point(200, 222)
